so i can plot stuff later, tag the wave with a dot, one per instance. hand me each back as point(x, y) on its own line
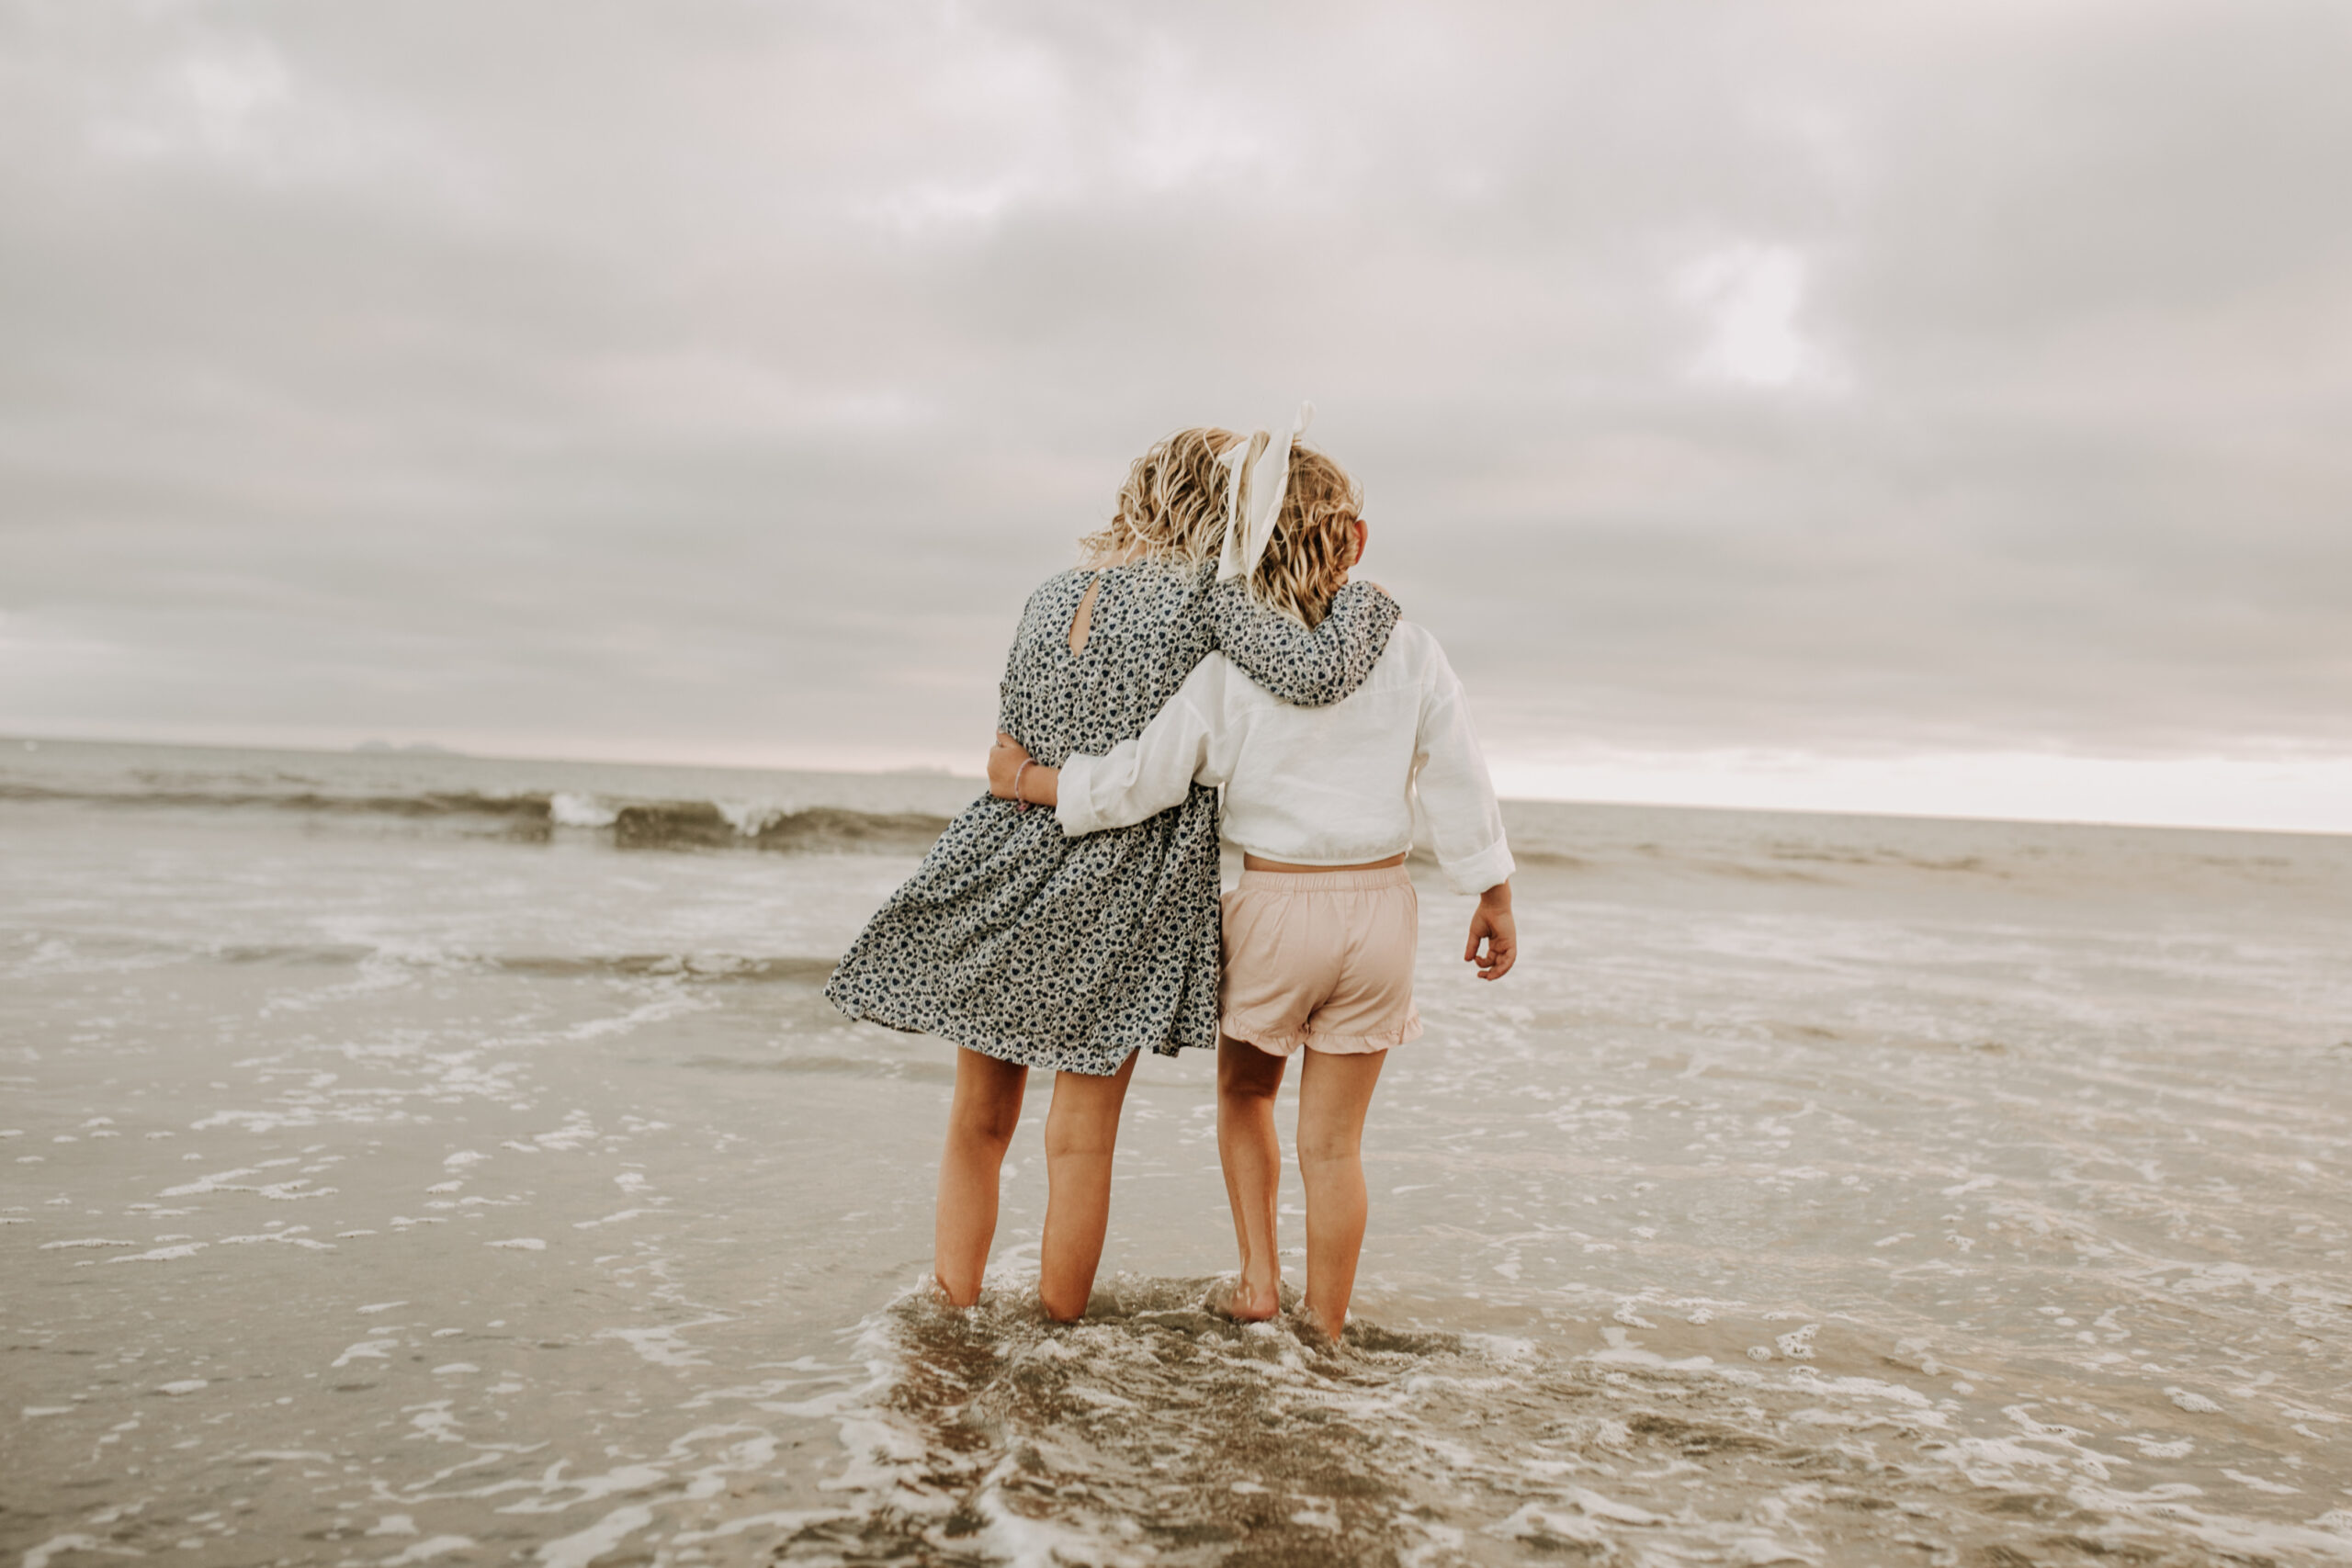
point(532, 815)
point(703, 824)
point(430, 803)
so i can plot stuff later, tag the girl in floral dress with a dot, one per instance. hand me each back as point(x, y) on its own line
point(1029, 948)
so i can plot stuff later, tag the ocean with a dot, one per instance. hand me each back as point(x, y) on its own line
point(414, 1159)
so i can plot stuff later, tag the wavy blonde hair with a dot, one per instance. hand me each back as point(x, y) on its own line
point(1307, 559)
point(1172, 504)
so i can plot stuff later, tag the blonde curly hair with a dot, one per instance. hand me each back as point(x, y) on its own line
point(1314, 545)
point(1171, 509)
point(1172, 504)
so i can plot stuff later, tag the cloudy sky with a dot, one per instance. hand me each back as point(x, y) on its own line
point(1925, 407)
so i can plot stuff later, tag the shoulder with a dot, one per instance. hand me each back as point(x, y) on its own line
point(1217, 687)
point(1418, 656)
point(1055, 589)
point(1179, 577)
point(1215, 680)
point(1414, 641)
point(1157, 600)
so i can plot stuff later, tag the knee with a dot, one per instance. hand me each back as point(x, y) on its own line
point(1079, 1137)
point(1326, 1146)
point(1251, 1103)
point(988, 1125)
point(1245, 1084)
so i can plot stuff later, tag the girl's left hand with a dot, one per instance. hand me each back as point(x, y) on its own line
point(1492, 924)
point(1004, 764)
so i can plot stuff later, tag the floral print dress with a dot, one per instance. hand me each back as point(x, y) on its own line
point(1072, 953)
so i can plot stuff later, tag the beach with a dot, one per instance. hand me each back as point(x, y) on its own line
point(414, 1159)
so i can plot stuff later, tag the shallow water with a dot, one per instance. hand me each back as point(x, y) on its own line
point(487, 1179)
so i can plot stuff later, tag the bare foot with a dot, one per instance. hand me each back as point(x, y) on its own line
point(1239, 1301)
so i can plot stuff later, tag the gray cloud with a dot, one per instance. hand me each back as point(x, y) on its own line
point(715, 378)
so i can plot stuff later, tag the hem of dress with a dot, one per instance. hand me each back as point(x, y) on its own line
point(995, 1049)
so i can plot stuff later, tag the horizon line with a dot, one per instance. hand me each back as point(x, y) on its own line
point(433, 750)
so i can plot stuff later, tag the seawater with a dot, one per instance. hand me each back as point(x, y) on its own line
point(411, 1159)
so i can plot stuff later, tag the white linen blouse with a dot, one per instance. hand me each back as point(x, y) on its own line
point(1336, 786)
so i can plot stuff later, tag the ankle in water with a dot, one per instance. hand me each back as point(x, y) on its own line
point(1237, 1299)
point(1315, 1330)
point(935, 1290)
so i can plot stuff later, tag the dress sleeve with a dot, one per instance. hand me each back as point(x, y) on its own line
point(1188, 740)
point(1309, 667)
point(1452, 792)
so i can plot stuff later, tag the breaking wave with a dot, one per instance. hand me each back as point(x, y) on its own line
point(630, 824)
point(702, 824)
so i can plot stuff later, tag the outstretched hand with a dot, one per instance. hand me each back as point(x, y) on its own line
point(1493, 925)
point(1004, 765)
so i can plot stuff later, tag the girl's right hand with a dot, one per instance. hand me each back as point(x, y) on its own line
point(1004, 764)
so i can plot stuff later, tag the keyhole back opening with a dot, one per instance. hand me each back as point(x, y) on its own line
point(1081, 624)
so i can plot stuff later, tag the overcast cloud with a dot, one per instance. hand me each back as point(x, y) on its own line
point(711, 380)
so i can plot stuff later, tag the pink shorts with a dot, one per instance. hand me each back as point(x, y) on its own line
point(1322, 959)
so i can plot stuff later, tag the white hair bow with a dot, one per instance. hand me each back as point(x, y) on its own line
point(1258, 479)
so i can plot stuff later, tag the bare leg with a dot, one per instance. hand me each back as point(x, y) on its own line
point(1334, 1092)
point(979, 1128)
point(1251, 1152)
point(1081, 1134)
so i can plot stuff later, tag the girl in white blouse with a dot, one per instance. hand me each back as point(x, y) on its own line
point(1320, 936)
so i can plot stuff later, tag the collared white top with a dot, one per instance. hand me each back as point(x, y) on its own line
point(1337, 785)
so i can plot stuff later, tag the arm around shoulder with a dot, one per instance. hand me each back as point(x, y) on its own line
point(1309, 667)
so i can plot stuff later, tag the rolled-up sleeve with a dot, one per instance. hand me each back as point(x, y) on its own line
point(1454, 793)
point(1143, 777)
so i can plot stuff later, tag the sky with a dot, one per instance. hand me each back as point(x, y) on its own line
point(1924, 407)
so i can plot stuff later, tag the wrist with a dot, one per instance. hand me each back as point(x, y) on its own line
point(1497, 899)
